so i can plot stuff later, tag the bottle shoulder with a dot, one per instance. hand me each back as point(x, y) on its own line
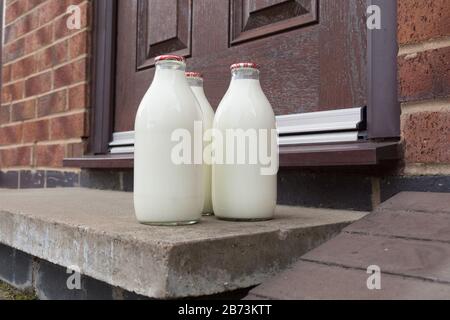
point(164, 107)
point(205, 106)
point(158, 96)
point(245, 106)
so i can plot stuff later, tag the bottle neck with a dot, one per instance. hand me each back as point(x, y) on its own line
point(169, 71)
point(245, 79)
point(195, 82)
point(245, 74)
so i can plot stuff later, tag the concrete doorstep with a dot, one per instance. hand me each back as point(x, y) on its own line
point(96, 231)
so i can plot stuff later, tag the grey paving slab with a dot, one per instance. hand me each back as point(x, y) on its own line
point(405, 224)
point(422, 259)
point(97, 231)
point(419, 201)
point(407, 238)
point(315, 281)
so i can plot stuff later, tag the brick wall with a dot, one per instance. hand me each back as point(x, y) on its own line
point(424, 81)
point(44, 103)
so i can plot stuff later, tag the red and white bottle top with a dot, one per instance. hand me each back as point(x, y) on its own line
point(244, 65)
point(169, 57)
point(194, 75)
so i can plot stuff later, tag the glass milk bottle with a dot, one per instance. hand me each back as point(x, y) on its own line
point(245, 189)
point(167, 191)
point(195, 81)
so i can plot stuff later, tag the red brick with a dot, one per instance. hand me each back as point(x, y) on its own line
point(39, 38)
point(79, 44)
point(21, 26)
point(78, 97)
point(15, 10)
point(15, 157)
point(14, 91)
point(421, 20)
point(4, 114)
point(71, 73)
point(23, 68)
point(38, 84)
point(53, 56)
point(49, 155)
point(36, 131)
point(52, 103)
point(6, 74)
point(11, 134)
point(68, 127)
point(53, 8)
point(61, 29)
point(23, 110)
point(425, 75)
point(76, 150)
point(34, 3)
point(13, 50)
point(49, 10)
point(427, 137)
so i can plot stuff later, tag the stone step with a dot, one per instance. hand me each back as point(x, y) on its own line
point(96, 231)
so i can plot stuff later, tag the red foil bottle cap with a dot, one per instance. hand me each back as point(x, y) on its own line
point(169, 57)
point(241, 65)
point(194, 75)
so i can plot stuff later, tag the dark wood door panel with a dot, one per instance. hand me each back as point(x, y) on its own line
point(146, 29)
point(343, 54)
point(309, 66)
point(163, 27)
point(291, 86)
point(258, 18)
point(319, 66)
point(255, 5)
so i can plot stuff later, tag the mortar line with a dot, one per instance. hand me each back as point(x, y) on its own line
point(342, 266)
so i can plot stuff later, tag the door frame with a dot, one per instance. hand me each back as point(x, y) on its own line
point(2, 12)
point(103, 74)
point(383, 108)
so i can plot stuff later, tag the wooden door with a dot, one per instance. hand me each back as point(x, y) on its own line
point(312, 53)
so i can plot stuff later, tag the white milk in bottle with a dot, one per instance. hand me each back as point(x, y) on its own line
point(165, 191)
point(242, 189)
point(195, 81)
